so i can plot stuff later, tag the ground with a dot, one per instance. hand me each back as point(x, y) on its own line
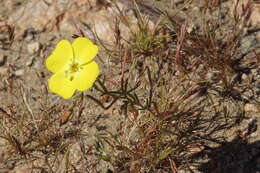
point(179, 89)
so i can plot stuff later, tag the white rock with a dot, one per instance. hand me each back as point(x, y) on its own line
point(244, 76)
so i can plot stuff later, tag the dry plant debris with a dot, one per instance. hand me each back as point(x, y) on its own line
point(178, 90)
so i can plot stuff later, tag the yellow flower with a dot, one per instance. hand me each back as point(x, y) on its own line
point(73, 67)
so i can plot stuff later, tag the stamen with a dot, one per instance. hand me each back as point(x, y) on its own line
point(73, 71)
point(74, 67)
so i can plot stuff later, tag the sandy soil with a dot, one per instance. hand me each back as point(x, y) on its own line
point(29, 30)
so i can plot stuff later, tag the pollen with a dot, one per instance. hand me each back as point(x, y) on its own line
point(75, 67)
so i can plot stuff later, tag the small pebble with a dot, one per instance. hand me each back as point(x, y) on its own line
point(244, 76)
point(19, 72)
point(33, 47)
point(254, 71)
point(251, 108)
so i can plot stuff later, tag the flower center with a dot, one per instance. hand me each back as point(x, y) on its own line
point(73, 70)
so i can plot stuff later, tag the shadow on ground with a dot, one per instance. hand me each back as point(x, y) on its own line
point(236, 156)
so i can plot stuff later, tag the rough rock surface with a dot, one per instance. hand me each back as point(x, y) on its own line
point(74, 17)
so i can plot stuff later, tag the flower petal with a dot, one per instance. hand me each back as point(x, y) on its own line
point(60, 56)
point(87, 76)
point(61, 85)
point(84, 49)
